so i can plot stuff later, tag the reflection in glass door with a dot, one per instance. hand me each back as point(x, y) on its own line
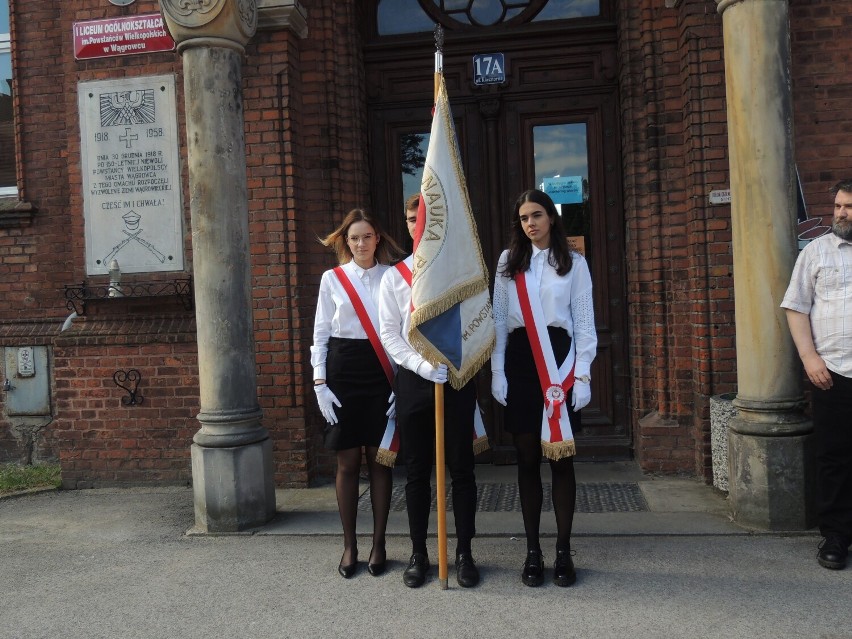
point(562, 171)
point(412, 153)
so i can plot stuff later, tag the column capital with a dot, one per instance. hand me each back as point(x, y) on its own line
point(224, 23)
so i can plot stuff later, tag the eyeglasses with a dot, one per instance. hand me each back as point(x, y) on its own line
point(357, 239)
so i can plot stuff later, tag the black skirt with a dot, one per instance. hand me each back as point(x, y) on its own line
point(525, 400)
point(356, 377)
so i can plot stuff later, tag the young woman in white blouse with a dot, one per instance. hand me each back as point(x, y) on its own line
point(352, 375)
point(546, 342)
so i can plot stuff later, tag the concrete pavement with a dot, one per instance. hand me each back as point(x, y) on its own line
point(119, 563)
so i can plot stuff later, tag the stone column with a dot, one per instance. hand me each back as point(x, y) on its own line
point(770, 456)
point(232, 453)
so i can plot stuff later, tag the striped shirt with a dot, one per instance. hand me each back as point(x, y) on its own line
point(821, 287)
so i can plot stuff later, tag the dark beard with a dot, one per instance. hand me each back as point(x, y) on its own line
point(842, 229)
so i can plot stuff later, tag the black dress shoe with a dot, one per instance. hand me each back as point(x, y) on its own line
point(832, 553)
point(415, 574)
point(533, 572)
point(467, 574)
point(378, 567)
point(563, 569)
point(348, 571)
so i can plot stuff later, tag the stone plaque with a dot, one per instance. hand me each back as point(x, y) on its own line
point(131, 175)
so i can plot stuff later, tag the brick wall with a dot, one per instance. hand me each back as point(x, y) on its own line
point(678, 247)
point(822, 88)
point(103, 440)
point(305, 144)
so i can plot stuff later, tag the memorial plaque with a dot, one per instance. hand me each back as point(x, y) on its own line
point(131, 175)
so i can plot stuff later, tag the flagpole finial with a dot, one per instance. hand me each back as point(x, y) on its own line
point(439, 38)
point(439, 52)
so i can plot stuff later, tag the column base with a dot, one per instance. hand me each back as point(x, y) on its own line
point(233, 487)
point(771, 480)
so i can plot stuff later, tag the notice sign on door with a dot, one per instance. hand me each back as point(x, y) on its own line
point(121, 36)
point(564, 190)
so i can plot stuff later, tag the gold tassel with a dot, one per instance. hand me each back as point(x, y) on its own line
point(386, 457)
point(480, 444)
point(558, 450)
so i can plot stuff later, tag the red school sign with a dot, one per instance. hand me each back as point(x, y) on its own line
point(121, 36)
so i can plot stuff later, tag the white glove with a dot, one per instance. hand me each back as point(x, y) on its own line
point(326, 400)
point(427, 371)
point(499, 386)
point(581, 395)
point(392, 410)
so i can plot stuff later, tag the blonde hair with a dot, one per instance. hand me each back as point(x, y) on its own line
point(386, 249)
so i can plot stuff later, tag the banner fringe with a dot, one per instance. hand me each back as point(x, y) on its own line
point(480, 445)
point(558, 450)
point(433, 355)
point(386, 457)
point(432, 309)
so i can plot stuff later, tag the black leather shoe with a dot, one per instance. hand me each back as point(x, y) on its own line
point(378, 567)
point(348, 571)
point(467, 574)
point(563, 569)
point(533, 572)
point(415, 574)
point(832, 553)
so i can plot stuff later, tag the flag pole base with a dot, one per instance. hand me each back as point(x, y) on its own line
point(443, 584)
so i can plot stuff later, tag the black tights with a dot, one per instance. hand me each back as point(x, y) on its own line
point(346, 484)
point(564, 491)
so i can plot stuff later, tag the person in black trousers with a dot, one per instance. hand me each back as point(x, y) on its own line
point(415, 401)
point(819, 314)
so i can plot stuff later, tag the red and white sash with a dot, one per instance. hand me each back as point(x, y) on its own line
point(480, 438)
point(557, 439)
point(369, 318)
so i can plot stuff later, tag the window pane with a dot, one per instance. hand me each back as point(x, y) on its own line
point(564, 9)
point(486, 12)
point(4, 16)
point(7, 128)
point(562, 171)
point(402, 16)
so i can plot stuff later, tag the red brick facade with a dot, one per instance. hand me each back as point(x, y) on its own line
point(307, 148)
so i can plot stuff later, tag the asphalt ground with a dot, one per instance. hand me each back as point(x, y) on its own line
point(125, 563)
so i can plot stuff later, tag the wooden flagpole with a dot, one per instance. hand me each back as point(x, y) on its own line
point(440, 468)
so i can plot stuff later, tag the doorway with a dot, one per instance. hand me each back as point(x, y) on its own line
point(553, 120)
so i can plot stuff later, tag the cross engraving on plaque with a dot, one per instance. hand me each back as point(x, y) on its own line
point(128, 138)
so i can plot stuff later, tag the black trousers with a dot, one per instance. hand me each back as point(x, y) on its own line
point(415, 413)
point(832, 411)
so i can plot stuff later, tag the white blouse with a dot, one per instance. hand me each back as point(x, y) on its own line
point(566, 301)
point(336, 317)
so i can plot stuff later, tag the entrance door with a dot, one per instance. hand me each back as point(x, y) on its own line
point(536, 130)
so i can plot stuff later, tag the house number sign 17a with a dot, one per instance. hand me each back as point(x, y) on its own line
point(489, 68)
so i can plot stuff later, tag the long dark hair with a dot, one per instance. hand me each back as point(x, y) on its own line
point(520, 246)
point(386, 250)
